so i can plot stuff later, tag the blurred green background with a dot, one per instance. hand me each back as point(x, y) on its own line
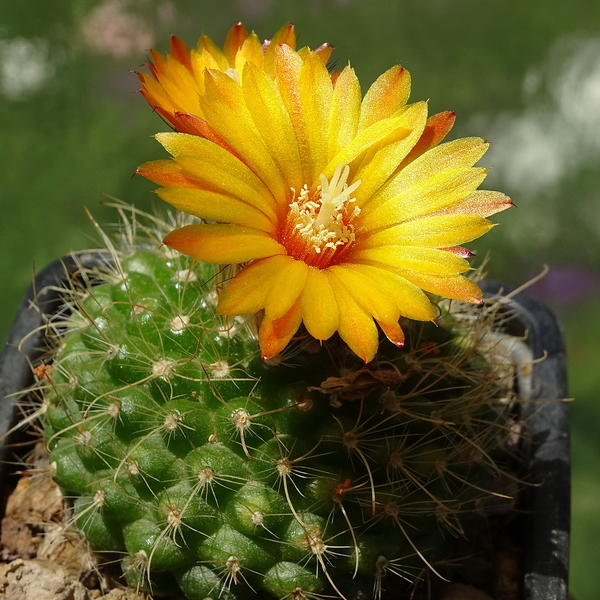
point(525, 75)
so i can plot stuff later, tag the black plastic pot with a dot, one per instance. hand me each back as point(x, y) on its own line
point(546, 445)
point(546, 505)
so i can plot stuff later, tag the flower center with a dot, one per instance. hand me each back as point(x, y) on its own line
point(319, 226)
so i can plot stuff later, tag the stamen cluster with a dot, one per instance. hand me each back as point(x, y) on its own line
point(318, 226)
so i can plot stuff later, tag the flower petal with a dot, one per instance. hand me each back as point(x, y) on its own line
point(388, 94)
point(224, 107)
point(285, 35)
point(423, 260)
point(273, 122)
point(393, 332)
point(436, 232)
point(482, 203)
point(286, 288)
point(166, 173)
point(316, 91)
point(287, 69)
point(464, 152)
point(175, 82)
point(226, 244)
point(435, 193)
point(320, 311)
point(181, 52)
point(216, 169)
point(275, 334)
point(356, 326)
point(187, 123)
point(456, 287)
point(345, 112)
point(207, 56)
point(213, 206)
point(383, 160)
point(251, 51)
point(411, 301)
point(365, 140)
point(436, 165)
point(247, 292)
point(307, 91)
point(235, 39)
point(371, 299)
point(435, 131)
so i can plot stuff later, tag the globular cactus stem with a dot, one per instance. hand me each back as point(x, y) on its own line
point(207, 470)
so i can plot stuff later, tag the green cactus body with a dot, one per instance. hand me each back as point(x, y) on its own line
point(221, 475)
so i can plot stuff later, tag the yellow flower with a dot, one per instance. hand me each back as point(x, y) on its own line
point(341, 211)
point(176, 80)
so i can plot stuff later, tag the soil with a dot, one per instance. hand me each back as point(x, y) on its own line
point(43, 556)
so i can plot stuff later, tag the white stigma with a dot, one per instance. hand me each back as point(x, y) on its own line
point(334, 194)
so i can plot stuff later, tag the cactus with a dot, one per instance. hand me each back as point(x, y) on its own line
point(226, 419)
point(209, 470)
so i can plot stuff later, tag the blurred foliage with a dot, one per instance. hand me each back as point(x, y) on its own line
point(82, 132)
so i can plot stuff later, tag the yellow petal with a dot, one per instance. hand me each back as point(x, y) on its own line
point(225, 109)
point(363, 142)
point(435, 193)
point(436, 129)
point(216, 207)
point(155, 93)
point(387, 95)
point(287, 68)
point(451, 157)
point(247, 292)
point(320, 311)
point(410, 299)
point(251, 51)
point(306, 89)
point(211, 54)
point(273, 122)
point(286, 288)
point(383, 160)
point(235, 39)
point(436, 232)
point(275, 334)
point(464, 152)
point(315, 91)
point(356, 326)
point(345, 112)
point(456, 287)
point(166, 173)
point(285, 35)
point(178, 84)
point(482, 203)
point(225, 244)
point(217, 169)
point(371, 299)
point(425, 260)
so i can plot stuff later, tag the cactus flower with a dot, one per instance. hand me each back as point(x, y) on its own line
point(342, 211)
